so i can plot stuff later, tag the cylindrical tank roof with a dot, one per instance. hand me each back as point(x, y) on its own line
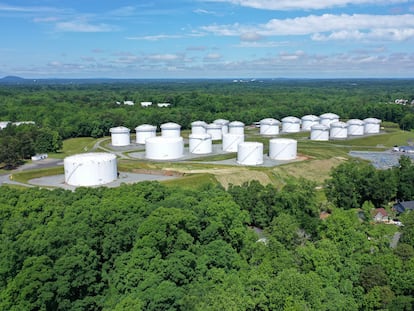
point(320, 127)
point(221, 121)
point(355, 122)
point(201, 136)
point(339, 124)
point(269, 121)
point(236, 124)
point(372, 120)
point(146, 127)
point(170, 125)
point(310, 117)
point(199, 123)
point(291, 119)
point(329, 115)
point(119, 129)
point(91, 157)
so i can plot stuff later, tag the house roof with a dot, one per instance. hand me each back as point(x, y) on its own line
point(400, 207)
point(381, 211)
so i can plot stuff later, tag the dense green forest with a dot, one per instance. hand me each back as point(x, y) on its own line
point(151, 247)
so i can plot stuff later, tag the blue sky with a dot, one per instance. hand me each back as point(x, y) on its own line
point(207, 38)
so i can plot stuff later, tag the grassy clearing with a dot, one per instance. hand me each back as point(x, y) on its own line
point(192, 181)
point(74, 146)
point(25, 176)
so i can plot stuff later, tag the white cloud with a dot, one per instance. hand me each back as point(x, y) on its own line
point(155, 37)
point(328, 27)
point(163, 57)
point(303, 4)
point(250, 36)
point(212, 57)
point(82, 26)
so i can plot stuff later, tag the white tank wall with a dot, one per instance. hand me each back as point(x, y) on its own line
point(250, 153)
point(269, 126)
point(120, 136)
point(90, 169)
point(236, 127)
point(215, 131)
point(231, 142)
point(290, 125)
point(145, 131)
point(338, 130)
point(170, 129)
point(355, 127)
point(372, 126)
point(164, 148)
point(198, 127)
point(200, 143)
point(308, 121)
point(319, 132)
point(282, 149)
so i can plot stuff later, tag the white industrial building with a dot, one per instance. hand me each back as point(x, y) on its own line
point(215, 130)
point(319, 132)
point(250, 153)
point(372, 125)
point(355, 127)
point(231, 141)
point(338, 130)
point(308, 121)
point(328, 118)
point(145, 131)
point(198, 127)
point(90, 169)
point(224, 125)
point(236, 127)
point(146, 104)
point(170, 129)
point(164, 148)
point(269, 126)
point(290, 125)
point(282, 149)
point(120, 136)
point(200, 143)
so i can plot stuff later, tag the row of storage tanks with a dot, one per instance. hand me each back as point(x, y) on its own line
point(326, 126)
point(170, 145)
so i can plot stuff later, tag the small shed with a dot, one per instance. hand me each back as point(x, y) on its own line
point(380, 215)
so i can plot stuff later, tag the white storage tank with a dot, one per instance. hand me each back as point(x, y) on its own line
point(290, 125)
point(170, 129)
point(250, 153)
point(90, 169)
point(338, 130)
point(269, 126)
point(120, 136)
point(231, 142)
point(214, 130)
point(164, 148)
point(145, 131)
point(308, 121)
point(355, 127)
point(198, 127)
point(224, 125)
point(283, 149)
point(372, 126)
point(319, 132)
point(200, 143)
point(328, 118)
point(236, 127)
